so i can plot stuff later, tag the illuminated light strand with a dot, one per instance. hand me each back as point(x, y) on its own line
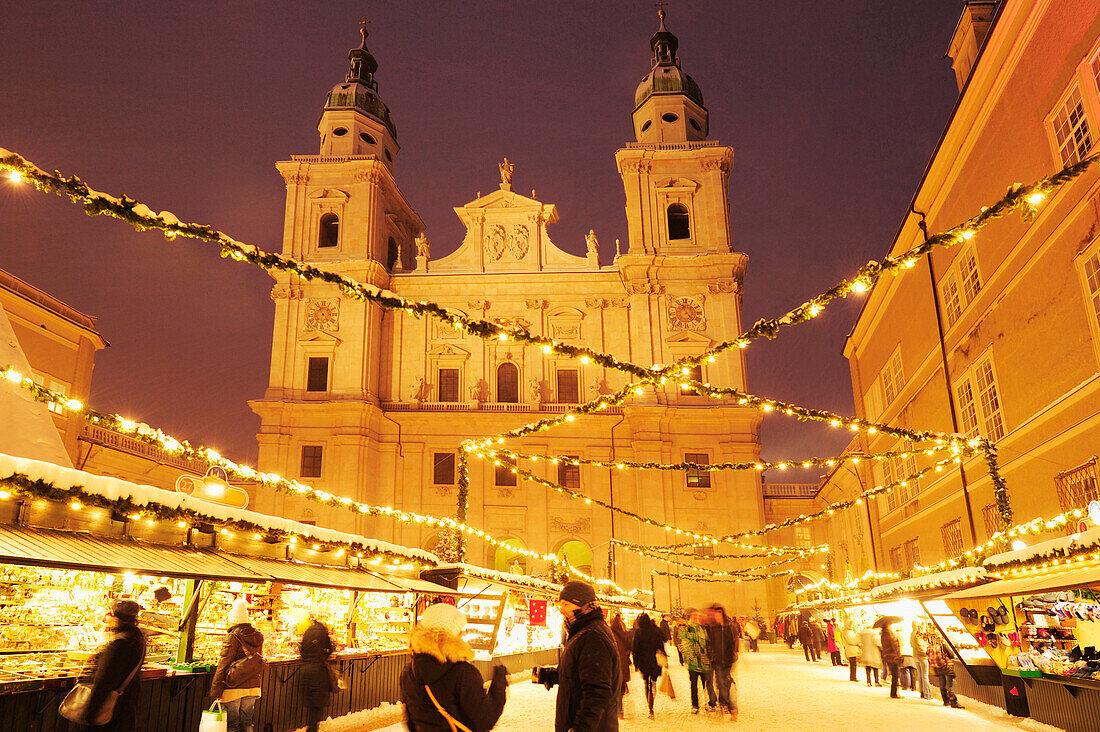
point(728, 572)
point(733, 580)
point(142, 218)
point(753, 550)
point(758, 465)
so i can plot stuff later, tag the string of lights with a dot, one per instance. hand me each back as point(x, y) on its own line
point(705, 578)
point(750, 550)
point(728, 572)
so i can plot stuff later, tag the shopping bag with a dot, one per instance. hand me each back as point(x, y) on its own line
point(666, 686)
point(214, 720)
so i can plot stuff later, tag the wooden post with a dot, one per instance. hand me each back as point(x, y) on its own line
point(188, 622)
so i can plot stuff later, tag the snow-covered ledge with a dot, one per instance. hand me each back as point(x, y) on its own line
point(1052, 549)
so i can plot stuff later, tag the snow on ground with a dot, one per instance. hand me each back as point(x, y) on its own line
point(778, 690)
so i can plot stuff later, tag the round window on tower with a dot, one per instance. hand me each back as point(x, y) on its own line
point(366, 138)
point(340, 131)
point(647, 125)
point(694, 124)
point(669, 117)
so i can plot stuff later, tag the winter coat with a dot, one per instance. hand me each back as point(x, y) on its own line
point(940, 661)
point(315, 649)
point(830, 635)
point(891, 649)
point(817, 635)
point(241, 641)
point(648, 642)
point(666, 632)
point(589, 679)
point(442, 662)
point(693, 647)
point(110, 667)
point(805, 637)
point(851, 643)
point(918, 644)
point(722, 644)
point(623, 644)
point(870, 643)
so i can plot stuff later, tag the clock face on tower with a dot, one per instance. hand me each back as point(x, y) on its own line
point(686, 313)
point(323, 314)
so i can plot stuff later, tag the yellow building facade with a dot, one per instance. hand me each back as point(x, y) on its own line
point(375, 404)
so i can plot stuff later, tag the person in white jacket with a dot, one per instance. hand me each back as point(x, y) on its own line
point(871, 653)
point(851, 649)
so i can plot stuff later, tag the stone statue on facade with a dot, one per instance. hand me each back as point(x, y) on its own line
point(592, 243)
point(618, 251)
point(416, 391)
point(506, 171)
point(535, 386)
point(423, 246)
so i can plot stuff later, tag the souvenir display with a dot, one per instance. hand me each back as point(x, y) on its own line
point(1058, 635)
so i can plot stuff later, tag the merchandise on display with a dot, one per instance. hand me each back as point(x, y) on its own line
point(1058, 635)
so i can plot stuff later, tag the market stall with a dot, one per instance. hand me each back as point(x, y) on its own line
point(1040, 626)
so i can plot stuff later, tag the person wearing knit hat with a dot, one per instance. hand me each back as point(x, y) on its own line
point(440, 686)
point(589, 674)
point(240, 670)
point(117, 668)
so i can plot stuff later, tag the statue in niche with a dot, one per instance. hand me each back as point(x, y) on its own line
point(423, 246)
point(416, 391)
point(591, 242)
point(596, 386)
point(535, 387)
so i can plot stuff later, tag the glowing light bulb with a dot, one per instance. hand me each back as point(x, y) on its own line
point(75, 506)
point(1035, 199)
point(15, 176)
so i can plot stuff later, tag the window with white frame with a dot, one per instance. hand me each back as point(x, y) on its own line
point(960, 285)
point(55, 385)
point(1070, 124)
point(979, 400)
point(1089, 267)
point(886, 386)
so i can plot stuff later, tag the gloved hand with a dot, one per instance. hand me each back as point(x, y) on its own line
point(500, 672)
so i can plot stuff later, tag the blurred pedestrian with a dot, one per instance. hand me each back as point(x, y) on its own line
point(694, 650)
point(117, 668)
point(908, 665)
point(589, 677)
point(439, 685)
point(240, 669)
point(678, 625)
point(666, 629)
point(315, 677)
point(648, 643)
point(830, 637)
point(941, 664)
point(817, 635)
point(623, 644)
point(806, 638)
point(891, 657)
point(723, 636)
point(918, 641)
point(870, 644)
point(851, 650)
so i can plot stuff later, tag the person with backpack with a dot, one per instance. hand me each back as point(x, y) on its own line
point(442, 691)
point(240, 670)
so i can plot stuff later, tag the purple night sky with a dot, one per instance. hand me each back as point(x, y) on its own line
point(833, 110)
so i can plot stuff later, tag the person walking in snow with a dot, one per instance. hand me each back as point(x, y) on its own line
point(237, 679)
point(439, 685)
point(918, 641)
point(648, 642)
point(851, 650)
point(589, 677)
point(723, 636)
point(942, 667)
point(830, 637)
point(313, 674)
point(694, 651)
point(806, 638)
point(870, 653)
point(623, 643)
point(891, 657)
point(666, 629)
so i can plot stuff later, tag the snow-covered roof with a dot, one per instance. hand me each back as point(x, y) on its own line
point(492, 575)
point(950, 578)
point(145, 495)
point(1054, 548)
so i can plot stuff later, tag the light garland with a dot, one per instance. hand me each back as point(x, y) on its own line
point(752, 550)
point(734, 580)
point(731, 572)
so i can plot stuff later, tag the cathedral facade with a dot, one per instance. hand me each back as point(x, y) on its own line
point(375, 404)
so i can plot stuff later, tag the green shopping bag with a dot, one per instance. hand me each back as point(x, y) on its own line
point(214, 720)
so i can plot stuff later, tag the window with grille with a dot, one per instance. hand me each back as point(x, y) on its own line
point(896, 559)
point(960, 285)
point(311, 461)
point(569, 475)
point(886, 467)
point(991, 517)
point(443, 471)
point(905, 467)
point(679, 226)
point(1078, 486)
point(968, 272)
point(952, 536)
point(697, 477)
point(992, 421)
point(508, 383)
point(1071, 129)
point(912, 553)
point(952, 303)
point(317, 374)
point(448, 385)
point(569, 387)
point(803, 537)
point(968, 410)
point(504, 475)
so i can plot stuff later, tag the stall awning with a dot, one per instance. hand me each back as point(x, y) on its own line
point(408, 584)
point(1033, 585)
point(313, 575)
point(82, 551)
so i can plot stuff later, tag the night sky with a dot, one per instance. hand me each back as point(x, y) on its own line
point(833, 110)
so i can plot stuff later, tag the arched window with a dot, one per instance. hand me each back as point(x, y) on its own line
point(391, 254)
point(330, 231)
point(678, 226)
point(508, 383)
point(576, 553)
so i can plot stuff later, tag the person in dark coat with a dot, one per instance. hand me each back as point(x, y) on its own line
point(806, 638)
point(666, 629)
point(891, 657)
point(113, 664)
point(723, 635)
point(624, 641)
point(941, 664)
point(441, 663)
point(315, 681)
point(649, 640)
point(589, 677)
point(239, 697)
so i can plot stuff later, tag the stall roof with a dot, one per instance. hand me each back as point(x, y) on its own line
point(79, 550)
point(1045, 582)
point(408, 584)
point(314, 575)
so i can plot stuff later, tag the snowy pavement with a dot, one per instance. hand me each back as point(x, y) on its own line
point(777, 690)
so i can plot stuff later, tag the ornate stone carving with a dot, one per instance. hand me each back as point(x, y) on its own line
point(297, 179)
point(478, 304)
point(646, 288)
point(534, 386)
point(495, 242)
point(578, 526)
point(619, 302)
point(721, 286)
point(519, 241)
point(596, 386)
point(566, 330)
point(687, 312)
point(536, 304)
point(597, 303)
point(519, 323)
point(323, 314)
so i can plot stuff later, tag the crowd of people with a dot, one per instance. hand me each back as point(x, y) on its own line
point(910, 659)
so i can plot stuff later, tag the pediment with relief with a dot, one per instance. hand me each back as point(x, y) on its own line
point(319, 338)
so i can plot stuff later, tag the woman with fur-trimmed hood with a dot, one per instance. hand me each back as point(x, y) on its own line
point(441, 665)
